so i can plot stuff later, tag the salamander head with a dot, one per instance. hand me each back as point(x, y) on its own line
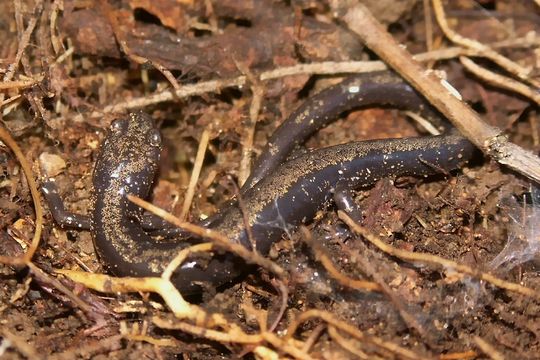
point(129, 156)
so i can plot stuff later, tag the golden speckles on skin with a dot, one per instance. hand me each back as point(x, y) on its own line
point(126, 164)
point(290, 187)
point(302, 116)
point(279, 201)
point(354, 89)
point(308, 168)
point(273, 148)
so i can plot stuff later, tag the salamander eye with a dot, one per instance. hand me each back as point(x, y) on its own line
point(154, 138)
point(119, 126)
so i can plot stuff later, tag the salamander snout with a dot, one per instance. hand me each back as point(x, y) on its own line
point(136, 127)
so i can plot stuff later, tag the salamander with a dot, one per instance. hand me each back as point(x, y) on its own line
point(381, 88)
point(278, 199)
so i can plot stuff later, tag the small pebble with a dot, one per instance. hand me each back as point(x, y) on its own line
point(51, 164)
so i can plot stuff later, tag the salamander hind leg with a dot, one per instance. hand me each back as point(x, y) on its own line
point(343, 197)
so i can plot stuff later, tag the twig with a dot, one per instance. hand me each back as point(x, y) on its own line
point(109, 12)
point(204, 332)
point(152, 340)
point(346, 343)
point(214, 236)
point(262, 352)
point(181, 257)
point(249, 132)
point(195, 173)
point(27, 169)
point(284, 295)
point(245, 212)
point(425, 124)
point(500, 81)
point(312, 338)
point(534, 129)
point(483, 50)
point(487, 348)
point(351, 331)
point(327, 263)
point(46, 278)
point(285, 345)
point(10, 100)
point(172, 297)
point(66, 54)
point(529, 40)
point(24, 40)
point(19, 84)
point(396, 300)
point(489, 139)
point(238, 336)
point(81, 350)
point(20, 344)
point(433, 259)
point(185, 91)
point(165, 72)
point(429, 25)
point(55, 41)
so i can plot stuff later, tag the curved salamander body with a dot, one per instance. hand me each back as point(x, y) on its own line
point(277, 196)
point(383, 88)
point(293, 194)
point(127, 163)
point(298, 188)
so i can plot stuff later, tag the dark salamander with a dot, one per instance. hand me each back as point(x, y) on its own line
point(279, 194)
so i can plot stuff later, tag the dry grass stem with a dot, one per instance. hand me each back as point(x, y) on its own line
point(482, 49)
point(27, 169)
point(433, 259)
point(195, 173)
point(500, 81)
point(214, 236)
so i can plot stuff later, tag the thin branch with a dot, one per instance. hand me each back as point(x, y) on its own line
point(487, 348)
point(483, 50)
point(249, 132)
point(19, 84)
point(214, 236)
point(27, 169)
point(441, 95)
point(334, 272)
point(433, 259)
point(500, 81)
point(195, 173)
point(24, 40)
point(351, 331)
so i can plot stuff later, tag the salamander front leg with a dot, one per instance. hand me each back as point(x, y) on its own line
point(64, 218)
point(155, 225)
